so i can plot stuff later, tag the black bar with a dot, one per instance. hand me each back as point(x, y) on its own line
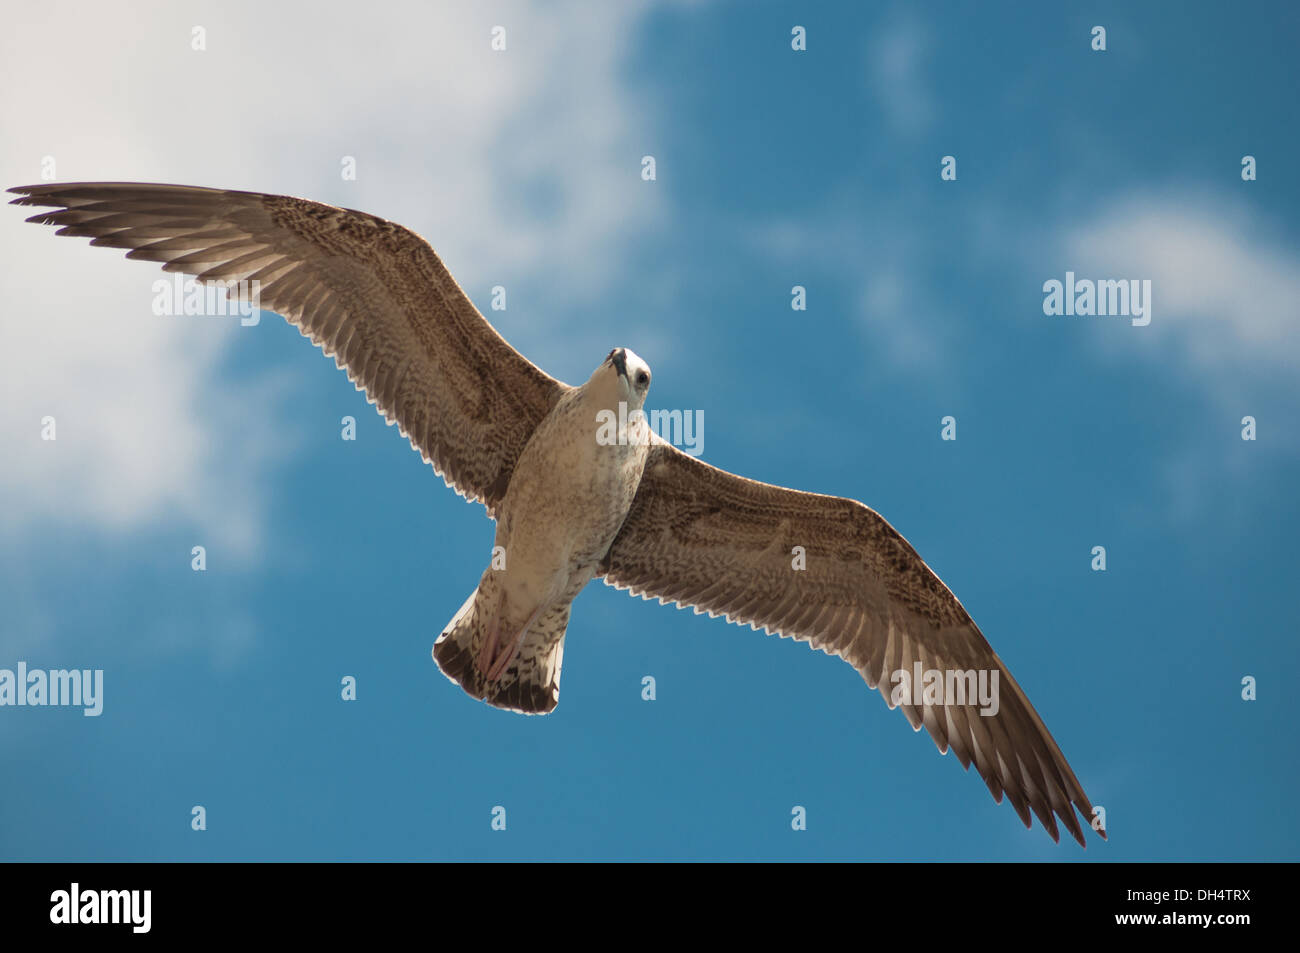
point(237, 901)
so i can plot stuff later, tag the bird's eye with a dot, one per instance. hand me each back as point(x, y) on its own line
point(642, 378)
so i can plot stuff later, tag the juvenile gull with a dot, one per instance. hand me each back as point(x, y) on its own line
point(568, 507)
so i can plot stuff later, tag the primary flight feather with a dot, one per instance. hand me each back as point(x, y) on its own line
point(570, 506)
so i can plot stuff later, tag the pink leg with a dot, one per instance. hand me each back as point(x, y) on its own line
point(488, 650)
point(504, 659)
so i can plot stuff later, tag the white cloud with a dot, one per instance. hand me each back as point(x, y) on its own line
point(1225, 285)
point(1225, 289)
point(521, 167)
point(904, 324)
point(888, 312)
point(897, 61)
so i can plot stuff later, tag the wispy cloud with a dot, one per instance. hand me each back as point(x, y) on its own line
point(898, 66)
point(884, 264)
point(520, 166)
point(1225, 325)
point(1226, 283)
point(515, 169)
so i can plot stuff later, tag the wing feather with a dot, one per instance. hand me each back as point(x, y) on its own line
point(368, 292)
point(701, 537)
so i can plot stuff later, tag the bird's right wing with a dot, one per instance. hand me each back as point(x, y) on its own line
point(368, 292)
point(831, 572)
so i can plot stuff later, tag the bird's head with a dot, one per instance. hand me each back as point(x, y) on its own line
point(624, 377)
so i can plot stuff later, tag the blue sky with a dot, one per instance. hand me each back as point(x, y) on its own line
point(775, 168)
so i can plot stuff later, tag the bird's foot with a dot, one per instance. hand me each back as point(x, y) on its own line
point(508, 653)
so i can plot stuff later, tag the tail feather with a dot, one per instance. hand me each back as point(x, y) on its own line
point(530, 684)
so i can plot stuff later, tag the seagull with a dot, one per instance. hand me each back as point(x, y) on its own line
point(574, 500)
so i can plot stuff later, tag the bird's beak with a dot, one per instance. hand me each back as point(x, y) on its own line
point(618, 357)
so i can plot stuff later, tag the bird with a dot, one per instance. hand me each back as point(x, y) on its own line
point(574, 498)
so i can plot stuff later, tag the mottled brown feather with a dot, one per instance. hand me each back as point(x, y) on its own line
point(701, 537)
point(375, 296)
point(368, 292)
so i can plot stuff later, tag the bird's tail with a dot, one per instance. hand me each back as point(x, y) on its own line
point(529, 683)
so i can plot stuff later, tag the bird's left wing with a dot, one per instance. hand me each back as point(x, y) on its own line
point(699, 536)
point(371, 294)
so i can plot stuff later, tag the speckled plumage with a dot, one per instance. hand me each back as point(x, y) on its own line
point(561, 512)
point(647, 517)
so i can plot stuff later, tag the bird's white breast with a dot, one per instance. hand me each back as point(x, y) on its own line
point(567, 498)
